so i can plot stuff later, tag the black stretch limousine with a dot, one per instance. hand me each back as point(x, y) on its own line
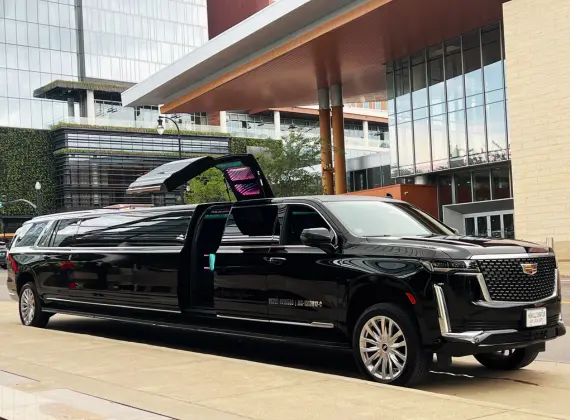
point(376, 275)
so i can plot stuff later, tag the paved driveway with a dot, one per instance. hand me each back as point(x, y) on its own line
point(77, 366)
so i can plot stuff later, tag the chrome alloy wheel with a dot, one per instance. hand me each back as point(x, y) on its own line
point(28, 306)
point(383, 348)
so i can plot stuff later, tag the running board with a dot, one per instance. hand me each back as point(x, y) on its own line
point(204, 329)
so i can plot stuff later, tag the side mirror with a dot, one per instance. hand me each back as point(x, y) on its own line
point(317, 237)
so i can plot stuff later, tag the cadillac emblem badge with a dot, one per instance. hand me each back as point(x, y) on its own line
point(530, 269)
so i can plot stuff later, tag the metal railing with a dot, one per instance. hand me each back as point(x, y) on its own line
point(141, 124)
point(373, 144)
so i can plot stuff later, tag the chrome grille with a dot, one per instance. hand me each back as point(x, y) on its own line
point(507, 282)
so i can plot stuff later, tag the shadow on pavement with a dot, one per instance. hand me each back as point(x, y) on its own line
point(294, 356)
point(456, 379)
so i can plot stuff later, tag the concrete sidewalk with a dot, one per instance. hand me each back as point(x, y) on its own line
point(57, 374)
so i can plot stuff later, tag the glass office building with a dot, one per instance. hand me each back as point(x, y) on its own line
point(129, 40)
point(110, 40)
point(447, 105)
point(448, 126)
point(38, 44)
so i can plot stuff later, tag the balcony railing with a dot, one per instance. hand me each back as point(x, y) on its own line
point(374, 143)
point(136, 124)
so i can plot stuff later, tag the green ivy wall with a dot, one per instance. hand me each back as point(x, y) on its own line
point(26, 156)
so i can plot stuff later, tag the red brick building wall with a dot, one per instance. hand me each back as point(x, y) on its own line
point(422, 196)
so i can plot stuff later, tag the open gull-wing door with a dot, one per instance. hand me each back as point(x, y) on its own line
point(241, 172)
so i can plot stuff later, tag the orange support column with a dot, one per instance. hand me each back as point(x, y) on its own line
point(338, 140)
point(326, 146)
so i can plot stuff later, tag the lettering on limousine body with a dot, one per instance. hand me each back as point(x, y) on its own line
point(293, 302)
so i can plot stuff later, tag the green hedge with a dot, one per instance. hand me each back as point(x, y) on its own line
point(138, 130)
point(26, 156)
point(240, 144)
point(117, 152)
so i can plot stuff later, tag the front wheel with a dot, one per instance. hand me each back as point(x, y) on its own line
point(31, 314)
point(388, 348)
point(507, 359)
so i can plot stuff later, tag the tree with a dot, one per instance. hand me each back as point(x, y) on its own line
point(209, 187)
point(284, 163)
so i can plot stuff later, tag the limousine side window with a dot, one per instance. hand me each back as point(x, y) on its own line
point(134, 229)
point(47, 235)
point(30, 236)
point(64, 233)
point(252, 222)
point(299, 218)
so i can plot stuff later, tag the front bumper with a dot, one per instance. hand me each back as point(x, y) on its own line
point(458, 341)
point(474, 342)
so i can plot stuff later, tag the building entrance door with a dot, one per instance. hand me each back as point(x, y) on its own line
point(490, 225)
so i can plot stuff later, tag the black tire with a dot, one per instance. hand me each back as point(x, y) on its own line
point(29, 299)
point(516, 359)
point(417, 361)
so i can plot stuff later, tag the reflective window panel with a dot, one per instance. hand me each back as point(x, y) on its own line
point(458, 88)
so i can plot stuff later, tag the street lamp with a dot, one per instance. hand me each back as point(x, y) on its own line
point(38, 190)
point(160, 131)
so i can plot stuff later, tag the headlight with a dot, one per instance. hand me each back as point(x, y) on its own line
point(449, 266)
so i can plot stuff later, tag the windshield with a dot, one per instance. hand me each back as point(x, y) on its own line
point(380, 218)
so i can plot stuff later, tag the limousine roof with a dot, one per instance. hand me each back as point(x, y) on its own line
point(83, 213)
point(321, 198)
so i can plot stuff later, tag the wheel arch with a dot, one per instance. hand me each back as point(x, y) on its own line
point(373, 290)
point(22, 278)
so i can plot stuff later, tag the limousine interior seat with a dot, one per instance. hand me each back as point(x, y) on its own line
point(207, 240)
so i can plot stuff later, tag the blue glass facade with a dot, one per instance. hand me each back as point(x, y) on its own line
point(129, 40)
point(116, 40)
point(38, 44)
point(447, 105)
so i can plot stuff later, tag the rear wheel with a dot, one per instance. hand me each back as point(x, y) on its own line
point(31, 314)
point(387, 346)
point(508, 359)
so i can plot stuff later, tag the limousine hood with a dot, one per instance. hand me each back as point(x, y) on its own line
point(456, 247)
point(241, 172)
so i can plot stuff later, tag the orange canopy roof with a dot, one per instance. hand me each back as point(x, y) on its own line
point(346, 42)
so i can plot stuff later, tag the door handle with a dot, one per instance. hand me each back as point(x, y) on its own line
point(277, 260)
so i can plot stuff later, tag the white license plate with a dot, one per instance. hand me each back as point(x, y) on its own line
point(535, 317)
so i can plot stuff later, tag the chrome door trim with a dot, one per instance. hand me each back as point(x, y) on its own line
point(273, 321)
point(111, 305)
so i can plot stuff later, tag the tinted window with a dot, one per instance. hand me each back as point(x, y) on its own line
point(134, 229)
point(64, 233)
point(29, 236)
point(252, 221)
point(380, 218)
point(45, 238)
point(298, 219)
